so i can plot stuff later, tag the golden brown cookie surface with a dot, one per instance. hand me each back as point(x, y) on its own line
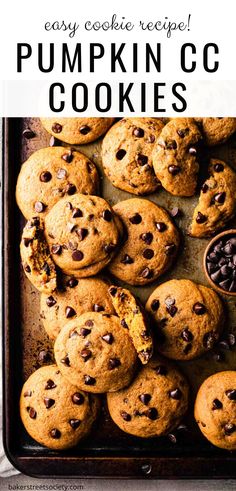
point(216, 130)
point(77, 131)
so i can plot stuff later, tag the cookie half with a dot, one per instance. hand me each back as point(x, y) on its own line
point(216, 130)
point(77, 131)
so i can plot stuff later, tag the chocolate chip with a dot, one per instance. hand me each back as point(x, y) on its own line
point(172, 310)
point(170, 249)
point(77, 398)
point(145, 398)
point(218, 167)
point(27, 393)
point(216, 404)
point(231, 394)
point(229, 428)
point(109, 248)
point(70, 189)
point(146, 469)
point(27, 241)
point(155, 305)
point(89, 380)
point(68, 157)
point(209, 340)
point(86, 354)
point(113, 363)
point(32, 412)
point(147, 237)
point(152, 413)
point(51, 301)
point(39, 207)
point(176, 212)
point(146, 273)
point(44, 356)
point(174, 169)
point(55, 433)
point(192, 151)
point(113, 291)
point(74, 423)
point(231, 339)
point(125, 416)
point(171, 145)
point(138, 132)
point(201, 218)
point(220, 198)
point(225, 285)
point(135, 219)
point(53, 142)
point(89, 323)
point(127, 259)
point(120, 154)
point(77, 255)
point(148, 253)
point(45, 176)
point(72, 282)
point(187, 348)
point(77, 213)
point(161, 226)
point(48, 402)
point(186, 335)
point(98, 308)
point(150, 139)
point(66, 361)
point(175, 394)
point(199, 308)
point(82, 233)
point(56, 128)
point(84, 130)
point(108, 338)
point(84, 332)
point(50, 384)
point(28, 133)
point(204, 188)
point(70, 312)
point(172, 437)
point(56, 249)
point(46, 268)
point(161, 370)
point(141, 159)
point(124, 324)
point(107, 215)
point(183, 132)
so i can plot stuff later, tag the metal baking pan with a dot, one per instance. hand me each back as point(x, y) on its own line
point(107, 452)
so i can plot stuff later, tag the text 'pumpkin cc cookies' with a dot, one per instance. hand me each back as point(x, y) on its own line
point(51, 173)
point(72, 298)
point(189, 318)
point(127, 154)
point(82, 234)
point(54, 411)
point(95, 353)
point(175, 156)
point(154, 403)
point(215, 409)
point(77, 131)
point(217, 202)
point(151, 243)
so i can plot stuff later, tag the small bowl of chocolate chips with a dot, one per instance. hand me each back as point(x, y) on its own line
point(220, 262)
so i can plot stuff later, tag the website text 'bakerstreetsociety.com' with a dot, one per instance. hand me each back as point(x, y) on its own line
point(45, 487)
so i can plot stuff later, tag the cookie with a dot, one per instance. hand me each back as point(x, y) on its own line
point(217, 202)
point(154, 403)
point(77, 131)
point(95, 353)
point(151, 243)
point(127, 154)
point(82, 234)
point(54, 411)
point(216, 130)
point(51, 173)
point(215, 409)
point(189, 318)
point(36, 259)
point(73, 298)
point(175, 157)
point(134, 318)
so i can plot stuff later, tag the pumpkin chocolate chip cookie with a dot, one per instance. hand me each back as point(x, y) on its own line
point(134, 318)
point(72, 298)
point(175, 157)
point(216, 130)
point(151, 243)
point(54, 411)
point(127, 154)
point(215, 409)
point(217, 202)
point(36, 259)
point(82, 234)
point(154, 403)
point(189, 318)
point(51, 173)
point(95, 353)
point(77, 131)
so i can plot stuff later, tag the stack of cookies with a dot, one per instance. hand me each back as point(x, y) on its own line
point(105, 341)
